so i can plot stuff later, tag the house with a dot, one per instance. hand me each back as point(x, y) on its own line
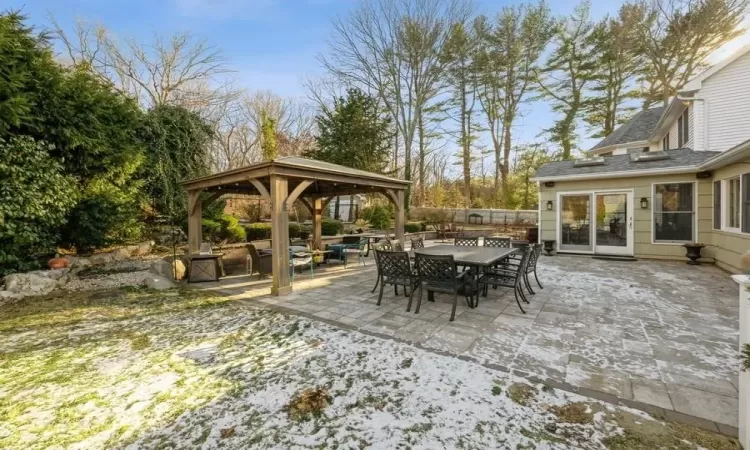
point(669, 176)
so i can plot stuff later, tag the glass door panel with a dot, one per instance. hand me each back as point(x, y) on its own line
point(575, 221)
point(614, 223)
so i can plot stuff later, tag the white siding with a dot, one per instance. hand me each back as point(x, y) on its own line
point(727, 98)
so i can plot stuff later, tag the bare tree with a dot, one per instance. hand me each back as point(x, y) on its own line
point(676, 36)
point(392, 48)
point(163, 71)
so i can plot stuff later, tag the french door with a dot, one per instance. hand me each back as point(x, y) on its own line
point(596, 222)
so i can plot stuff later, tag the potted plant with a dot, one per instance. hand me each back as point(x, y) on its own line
point(57, 262)
point(693, 252)
point(361, 225)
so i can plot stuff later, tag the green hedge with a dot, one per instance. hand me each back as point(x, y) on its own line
point(414, 227)
point(331, 227)
point(261, 230)
point(258, 231)
point(231, 230)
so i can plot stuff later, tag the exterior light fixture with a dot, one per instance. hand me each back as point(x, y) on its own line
point(549, 205)
point(644, 202)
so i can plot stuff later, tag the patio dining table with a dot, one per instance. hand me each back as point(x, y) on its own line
point(469, 256)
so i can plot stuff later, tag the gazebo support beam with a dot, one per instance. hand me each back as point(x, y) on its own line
point(317, 220)
point(195, 211)
point(280, 235)
point(399, 225)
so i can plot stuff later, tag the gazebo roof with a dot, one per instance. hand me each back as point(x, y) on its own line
point(328, 178)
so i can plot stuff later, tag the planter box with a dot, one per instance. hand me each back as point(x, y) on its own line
point(744, 282)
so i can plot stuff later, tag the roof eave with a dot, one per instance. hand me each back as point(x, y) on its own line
point(734, 154)
point(620, 174)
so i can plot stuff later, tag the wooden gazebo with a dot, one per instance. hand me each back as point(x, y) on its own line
point(283, 181)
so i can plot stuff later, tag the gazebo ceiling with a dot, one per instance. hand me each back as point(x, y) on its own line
point(327, 178)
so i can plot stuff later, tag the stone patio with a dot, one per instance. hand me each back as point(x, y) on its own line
point(659, 336)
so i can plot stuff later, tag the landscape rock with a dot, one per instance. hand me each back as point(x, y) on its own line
point(8, 295)
point(166, 268)
point(140, 249)
point(76, 263)
point(101, 258)
point(157, 282)
point(29, 284)
point(121, 254)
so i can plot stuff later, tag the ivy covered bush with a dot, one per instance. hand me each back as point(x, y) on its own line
point(36, 198)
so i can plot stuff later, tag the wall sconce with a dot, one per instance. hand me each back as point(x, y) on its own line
point(549, 205)
point(644, 202)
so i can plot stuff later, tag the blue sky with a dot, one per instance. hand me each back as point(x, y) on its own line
point(270, 44)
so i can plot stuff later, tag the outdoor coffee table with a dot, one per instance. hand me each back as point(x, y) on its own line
point(205, 267)
point(313, 254)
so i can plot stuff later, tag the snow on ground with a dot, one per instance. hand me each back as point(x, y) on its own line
point(181, 369)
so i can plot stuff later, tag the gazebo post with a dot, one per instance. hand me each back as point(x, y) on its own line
point(399, 225)
point(195, 211)
point(317, 220)
point(280, 236)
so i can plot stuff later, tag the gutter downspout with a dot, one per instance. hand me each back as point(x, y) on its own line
point(705, 117)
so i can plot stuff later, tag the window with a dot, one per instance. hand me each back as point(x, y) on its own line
point(732, 208)
point(683, 129)
point(646, 149)
point(674, 212)
point(745, 226)
point(717, 205)
point(665, 142)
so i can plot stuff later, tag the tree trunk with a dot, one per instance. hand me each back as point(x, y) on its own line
point(507, 121)
point(336, 208)
point(422, 157)
point(351, 208)
point(466, 143)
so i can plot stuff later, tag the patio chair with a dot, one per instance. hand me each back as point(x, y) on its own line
point(511, 277)
point(498, 242)
point(378, 247)
point(260, 264)
point(296, 261)
point(359, 250)
point(417, 244)
point(535, 250)
point(438, 273)
point(466, 241)
point(395, 268)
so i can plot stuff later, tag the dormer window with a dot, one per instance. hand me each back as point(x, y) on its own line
point(683, 128)
point(665, 142)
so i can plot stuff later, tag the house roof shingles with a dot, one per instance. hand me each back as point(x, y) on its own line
point(683, 157)
point(638, 128)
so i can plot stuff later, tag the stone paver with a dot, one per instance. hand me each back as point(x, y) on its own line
point(660, 333)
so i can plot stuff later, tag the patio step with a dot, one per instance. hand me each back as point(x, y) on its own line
point(614, 258)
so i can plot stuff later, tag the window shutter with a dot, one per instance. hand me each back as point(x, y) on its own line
point(717, 205)
point(745, 217)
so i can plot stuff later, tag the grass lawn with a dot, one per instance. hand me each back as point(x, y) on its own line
point(132, 368)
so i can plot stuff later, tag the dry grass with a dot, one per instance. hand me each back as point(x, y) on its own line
point(521, 393)
point(578, 412)
point(309, 403)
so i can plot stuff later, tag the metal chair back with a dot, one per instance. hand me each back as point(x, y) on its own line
point(437, 270)
point(467, 241)
point(499, 242)
point(417, 244)
point(393, 265)
point(535, 251)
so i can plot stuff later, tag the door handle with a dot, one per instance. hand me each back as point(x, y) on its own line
point(630, 223)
